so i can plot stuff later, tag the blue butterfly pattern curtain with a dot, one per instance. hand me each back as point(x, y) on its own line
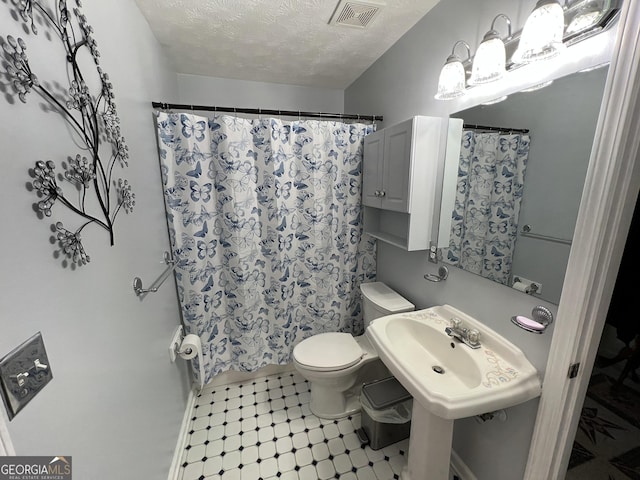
point(265, 222)
point(489, 192)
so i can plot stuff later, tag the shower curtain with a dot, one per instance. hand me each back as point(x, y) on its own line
point(266, 226)
point(484, 223)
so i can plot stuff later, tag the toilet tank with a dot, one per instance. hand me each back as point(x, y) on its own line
point(379, 300)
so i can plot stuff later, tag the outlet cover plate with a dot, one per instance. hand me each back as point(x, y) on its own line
point(16, 388)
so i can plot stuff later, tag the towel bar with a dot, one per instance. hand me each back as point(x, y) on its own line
point(137, 282)
point(526, 232)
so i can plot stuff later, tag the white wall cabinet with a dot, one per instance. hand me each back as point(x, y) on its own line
point(387, 167)
point(402, 180)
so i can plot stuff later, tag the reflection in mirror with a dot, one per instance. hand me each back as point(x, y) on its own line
point(511, 197)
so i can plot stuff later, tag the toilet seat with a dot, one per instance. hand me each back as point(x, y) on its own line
point(327, 352)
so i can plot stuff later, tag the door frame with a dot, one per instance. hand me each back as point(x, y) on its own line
point(606, 210)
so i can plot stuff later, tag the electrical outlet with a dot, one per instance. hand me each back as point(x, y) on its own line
point(433, 252)
point(23, 374)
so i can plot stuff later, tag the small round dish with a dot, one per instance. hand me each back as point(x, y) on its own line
point(528, 324)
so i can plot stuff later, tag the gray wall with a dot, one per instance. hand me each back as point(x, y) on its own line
point(114, 395)
point(402, 84)
point(116, 402)
point(222, 92)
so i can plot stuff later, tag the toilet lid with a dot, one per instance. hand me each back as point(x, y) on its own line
point(328, 351)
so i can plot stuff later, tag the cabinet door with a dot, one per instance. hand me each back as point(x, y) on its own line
point(372, 169)
point(397, 167)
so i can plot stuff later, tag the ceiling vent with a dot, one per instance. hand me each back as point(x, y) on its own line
point(355, 14)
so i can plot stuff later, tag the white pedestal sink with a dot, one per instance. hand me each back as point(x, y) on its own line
point(448, 379)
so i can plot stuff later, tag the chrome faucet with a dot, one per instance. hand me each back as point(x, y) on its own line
point(470, 337)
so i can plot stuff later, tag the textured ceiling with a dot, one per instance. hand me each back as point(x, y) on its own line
point(279, 41)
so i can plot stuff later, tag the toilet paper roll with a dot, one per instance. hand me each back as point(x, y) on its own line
point(521, 287)
point(190, 348)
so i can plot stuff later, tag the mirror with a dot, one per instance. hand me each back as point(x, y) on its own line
point(526, 231)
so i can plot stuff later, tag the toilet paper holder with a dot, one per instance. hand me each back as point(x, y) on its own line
point(187, 347)
point(526, 286)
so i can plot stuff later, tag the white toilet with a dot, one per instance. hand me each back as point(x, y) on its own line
point(332, 362)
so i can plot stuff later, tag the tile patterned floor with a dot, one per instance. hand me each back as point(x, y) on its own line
point(607, 443)
point(264, 430)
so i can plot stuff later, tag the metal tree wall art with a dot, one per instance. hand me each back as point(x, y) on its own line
point(86, 183)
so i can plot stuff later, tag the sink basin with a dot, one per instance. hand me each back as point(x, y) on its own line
point(448, 378)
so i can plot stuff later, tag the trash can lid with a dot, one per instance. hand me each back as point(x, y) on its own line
point(385, 393)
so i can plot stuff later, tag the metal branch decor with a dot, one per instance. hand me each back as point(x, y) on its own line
point(85, 184)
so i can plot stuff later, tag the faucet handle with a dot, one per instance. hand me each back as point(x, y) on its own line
point(473, 336)
point(456, 323)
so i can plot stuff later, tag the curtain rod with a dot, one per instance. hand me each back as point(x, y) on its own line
point(266, 111)
point(496, 129)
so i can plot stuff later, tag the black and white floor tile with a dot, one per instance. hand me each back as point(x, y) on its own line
point(263, 429)
point(607, 443)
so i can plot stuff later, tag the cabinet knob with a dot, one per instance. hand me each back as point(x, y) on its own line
point(377, 193)
point(382, 193)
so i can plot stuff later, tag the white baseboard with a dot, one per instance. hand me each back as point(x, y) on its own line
point(226, 378)
point(459, 468)
point(183, 435)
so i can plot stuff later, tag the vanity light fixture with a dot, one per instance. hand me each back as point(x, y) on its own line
point(594, 67)
point(453, 77)
point(542, 37)
point(538, 86)
point(583, 20)
point(496, 100)
point(587, 15)
point(489, 63)
point(542, 33)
